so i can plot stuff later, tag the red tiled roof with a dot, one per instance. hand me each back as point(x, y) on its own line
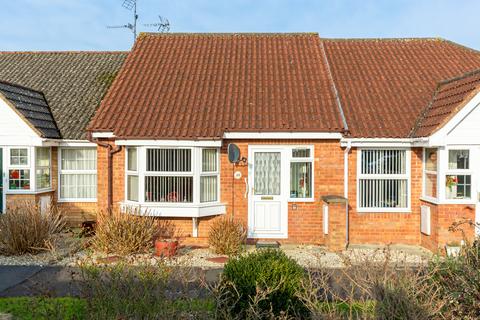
point(189, 86)
point(451, 96)
point(385, 84)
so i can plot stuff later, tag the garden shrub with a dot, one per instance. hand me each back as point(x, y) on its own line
point(124, 232)
point(266, 282)
point(122, 291)
point(458, 279)
point(227, 236)
point(25, 228)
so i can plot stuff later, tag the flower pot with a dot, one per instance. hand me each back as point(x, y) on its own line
point(166, 248)
point(452, 251)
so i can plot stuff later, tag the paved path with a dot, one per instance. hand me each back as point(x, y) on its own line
point(55, 281)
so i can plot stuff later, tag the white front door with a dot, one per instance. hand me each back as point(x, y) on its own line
point(267, 205)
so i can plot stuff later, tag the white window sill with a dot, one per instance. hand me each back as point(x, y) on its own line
point(384, 210)
point(76, 200)
point(22, 191)
point(178, 210)
point(430, 200)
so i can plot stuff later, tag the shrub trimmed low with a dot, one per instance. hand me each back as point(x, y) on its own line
point(262, 282)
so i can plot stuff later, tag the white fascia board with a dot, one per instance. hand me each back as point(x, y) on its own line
point(76, 143)
point(170, 143)
point(283, 135)
point(103, 135)
point(383, 142)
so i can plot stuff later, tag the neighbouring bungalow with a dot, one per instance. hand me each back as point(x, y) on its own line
point(46, 102)
point(305, 139)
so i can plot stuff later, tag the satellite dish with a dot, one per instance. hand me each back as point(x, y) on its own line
point(233, 153)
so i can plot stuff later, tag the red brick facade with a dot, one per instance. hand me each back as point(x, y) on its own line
point(304, 218)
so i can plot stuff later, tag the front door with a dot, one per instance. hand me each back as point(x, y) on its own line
point(1, 180)
point(267, 214)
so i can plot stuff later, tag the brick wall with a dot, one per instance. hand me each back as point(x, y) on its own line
point(305, 222)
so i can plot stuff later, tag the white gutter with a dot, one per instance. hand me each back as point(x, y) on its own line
point(282, 135)
point(170, 143)
point(384, 142)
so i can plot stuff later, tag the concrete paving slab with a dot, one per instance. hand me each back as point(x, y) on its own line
point(13, 275)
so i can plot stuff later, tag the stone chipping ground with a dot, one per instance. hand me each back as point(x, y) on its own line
point(70, 251)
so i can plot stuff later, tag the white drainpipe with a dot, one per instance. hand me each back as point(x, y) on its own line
point(345, 187)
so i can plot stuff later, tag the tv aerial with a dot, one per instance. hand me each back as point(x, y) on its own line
point(131, 5)
point(163, 25)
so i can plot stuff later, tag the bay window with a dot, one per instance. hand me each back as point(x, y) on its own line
point(172, 175)
point(430, 169)
point(383, 180)
point(78, 174)
point(458, 179)
point(301, 173)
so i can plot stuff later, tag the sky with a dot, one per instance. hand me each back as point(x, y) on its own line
point(49, 25)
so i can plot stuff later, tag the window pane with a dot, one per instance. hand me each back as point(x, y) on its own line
point(132, 159)
point(209, 160)
point(458, 186)
point(132, 188)
point(458, 159)
point(19, 179)
point(43, 178)
point(19, 157)
point(267, 166)
point(431, 159)
point(79, 159)
point(383, 193)
point(301, 153)
point(42, 157)
point(208, 189)
point(169, 160)
point(168, 189)
point(384, 162)
point(78, 186)
point(431, 185)
point(300, 180)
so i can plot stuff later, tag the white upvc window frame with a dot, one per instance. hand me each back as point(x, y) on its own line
point(425, 171)
point(311, 160)
point(132, 173)
point(464, 172)
point(29, 166)
point(215, 173)
point(406, 176)
point(41, 167)
point(61, 171)
point(195, 172)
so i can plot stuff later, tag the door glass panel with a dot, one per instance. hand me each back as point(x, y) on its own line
point(267, 166)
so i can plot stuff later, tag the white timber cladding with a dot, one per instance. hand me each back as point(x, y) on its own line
point(173, 181)
point(14, 131)
point(383, 180)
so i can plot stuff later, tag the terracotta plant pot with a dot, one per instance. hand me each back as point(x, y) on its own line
point(166, 248)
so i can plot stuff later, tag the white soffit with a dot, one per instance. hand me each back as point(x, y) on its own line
point(170, 143)
point(282, 135)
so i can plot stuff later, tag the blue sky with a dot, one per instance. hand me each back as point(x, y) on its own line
point(81, 24)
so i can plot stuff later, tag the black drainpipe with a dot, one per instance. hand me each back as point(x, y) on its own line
point(111, 151)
